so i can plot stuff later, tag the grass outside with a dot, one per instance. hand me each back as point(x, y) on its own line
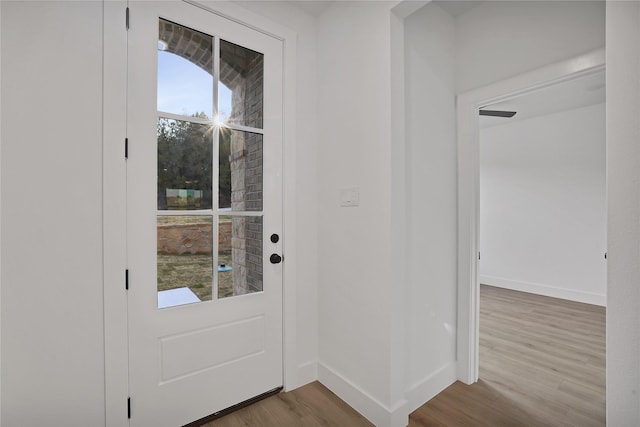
point(194, 272)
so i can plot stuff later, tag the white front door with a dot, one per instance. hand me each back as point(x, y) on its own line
point(204, 213)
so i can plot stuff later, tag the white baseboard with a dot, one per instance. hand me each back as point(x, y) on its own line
point(546, 290)
point(307, 373)
point(376, 412)
point(427, 388)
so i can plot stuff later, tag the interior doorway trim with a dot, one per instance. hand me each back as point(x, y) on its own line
point(468, 104)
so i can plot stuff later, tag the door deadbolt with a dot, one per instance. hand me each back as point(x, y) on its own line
point(275, 259)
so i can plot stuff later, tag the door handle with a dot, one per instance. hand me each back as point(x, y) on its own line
point(275, 259)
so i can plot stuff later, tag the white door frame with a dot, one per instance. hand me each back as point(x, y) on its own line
point(468, 104)
point(114, 195)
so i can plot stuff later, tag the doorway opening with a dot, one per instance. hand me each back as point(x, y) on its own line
point(469, 104)
point(542, 191)
point(542, 244)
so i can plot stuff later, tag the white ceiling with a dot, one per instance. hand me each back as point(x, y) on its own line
point(313, 7)
point(456, 8)
point(568, 95)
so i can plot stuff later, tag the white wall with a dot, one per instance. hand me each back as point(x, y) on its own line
point(623, 233)
point(356, 280)
point(431, 202)
point(543, 205)
point(356, 311)
point(500, 39)
point(0, 216)
point(52, 318)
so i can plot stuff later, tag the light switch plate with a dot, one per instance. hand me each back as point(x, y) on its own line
point(350, 197)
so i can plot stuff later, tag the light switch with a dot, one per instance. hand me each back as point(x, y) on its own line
point(350, 197)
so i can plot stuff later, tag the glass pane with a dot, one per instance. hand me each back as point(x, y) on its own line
point(225, 267)
point(239, 256)
point(184, 165)
point(224, 103)
point(241, 72)
point(185, 71)
point(240, 171)
point(185, 259)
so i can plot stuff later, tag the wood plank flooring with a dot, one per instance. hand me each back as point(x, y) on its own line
point(312, 405)
point(542, 363)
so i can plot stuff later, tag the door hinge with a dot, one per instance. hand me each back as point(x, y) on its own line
point(126, 19)
point(605, 255)
point(126, 148)
point(126, 279)
point(128, 408)
point(478, 256)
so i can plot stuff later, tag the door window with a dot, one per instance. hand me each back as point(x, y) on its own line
point(203, 136)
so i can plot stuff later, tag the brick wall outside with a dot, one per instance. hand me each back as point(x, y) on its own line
point(246, 161)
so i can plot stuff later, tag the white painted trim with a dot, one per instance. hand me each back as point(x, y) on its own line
point(290, 215)
point(209, 212)
point(623, 211)
point(0, 212)
point(468, 189)
point(208, 122)
point(428, 387)
point(546, 290)
point(399, 240)
point(113, 212)
point(289, 179)
point(182, 118)
point(307, 372)
point(371, 408)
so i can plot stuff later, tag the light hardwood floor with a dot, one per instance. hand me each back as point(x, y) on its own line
point(312, 405)
point(542, 363)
